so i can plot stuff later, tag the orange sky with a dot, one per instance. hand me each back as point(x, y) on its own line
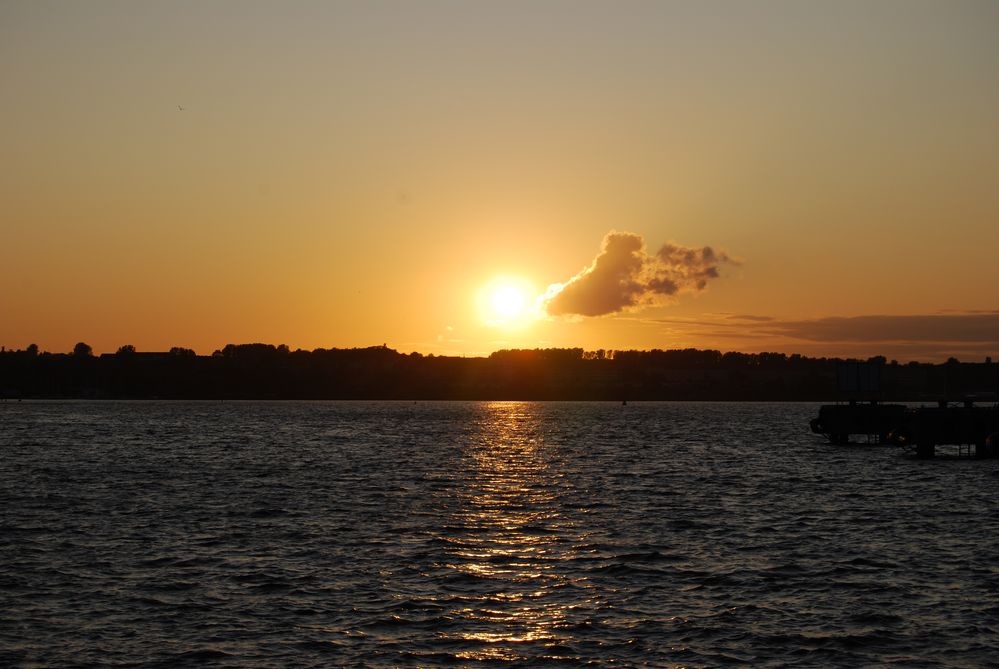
point(354, 173)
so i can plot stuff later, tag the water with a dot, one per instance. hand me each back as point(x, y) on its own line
point(483, 534)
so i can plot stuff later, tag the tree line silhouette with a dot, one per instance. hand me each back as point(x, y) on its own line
point(265, 371)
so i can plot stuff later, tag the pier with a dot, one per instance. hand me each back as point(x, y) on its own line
point(974, 429)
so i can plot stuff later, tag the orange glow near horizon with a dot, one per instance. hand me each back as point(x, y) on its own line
point(326, 176)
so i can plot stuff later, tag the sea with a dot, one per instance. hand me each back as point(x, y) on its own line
point(484, 534)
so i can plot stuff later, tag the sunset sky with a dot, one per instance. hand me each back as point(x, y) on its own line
point(460, 177)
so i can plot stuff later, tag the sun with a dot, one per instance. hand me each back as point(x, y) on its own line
point(507, 302)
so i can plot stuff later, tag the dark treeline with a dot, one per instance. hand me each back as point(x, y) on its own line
point(263, 371)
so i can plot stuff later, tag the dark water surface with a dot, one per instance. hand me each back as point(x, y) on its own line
point(483, 534)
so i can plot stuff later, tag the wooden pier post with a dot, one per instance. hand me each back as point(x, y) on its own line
point(991, 446)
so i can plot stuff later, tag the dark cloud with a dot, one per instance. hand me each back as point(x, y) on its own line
point(968, 327)
point(963, 335)
point(749, 317)
point(624, 275)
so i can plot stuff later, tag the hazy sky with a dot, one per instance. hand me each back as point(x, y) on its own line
point(354, 173)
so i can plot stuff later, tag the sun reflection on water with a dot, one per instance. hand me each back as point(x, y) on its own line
point(507, 542)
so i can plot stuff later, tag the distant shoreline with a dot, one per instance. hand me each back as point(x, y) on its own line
point(264, 372)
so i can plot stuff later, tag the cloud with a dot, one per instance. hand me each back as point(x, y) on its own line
point(624, 275)
point(968, 334)
point(982, 327)
point(749, 317)
point(948, 326)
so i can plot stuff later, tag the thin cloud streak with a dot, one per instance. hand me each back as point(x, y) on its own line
point(969, 334)
point(750, 317)
point(975, 327)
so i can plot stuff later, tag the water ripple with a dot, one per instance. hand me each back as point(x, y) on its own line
point(480, 534)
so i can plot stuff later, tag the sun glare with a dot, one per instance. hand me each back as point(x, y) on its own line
point(507, 302)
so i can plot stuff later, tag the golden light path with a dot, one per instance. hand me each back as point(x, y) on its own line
point(509, 546)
